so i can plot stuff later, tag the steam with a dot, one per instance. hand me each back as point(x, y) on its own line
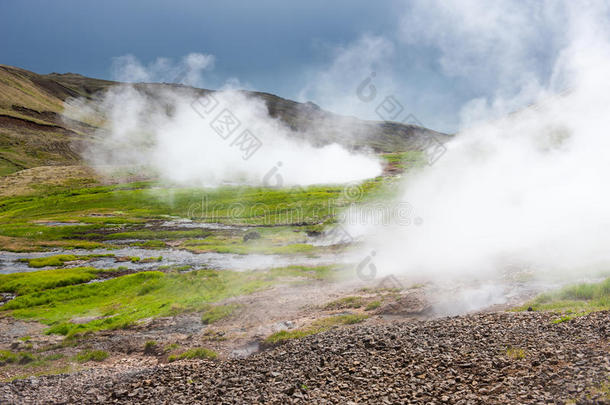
point(189, 70)
point(333, 86)
point(527, 191)
point(164, 129)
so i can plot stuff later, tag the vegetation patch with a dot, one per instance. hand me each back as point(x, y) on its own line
point(405, 160)
point(156, 235)
point(575, 299)
point(197, 353)
point(237, 247)
point(150, 244)
point(59, 260)
point(346, 302)
point(318, 272)
point(92, 355)
point(272, 240)
point(116, 212)
point(603, 389)
point(372, 305)
point(13, 244)
point(318, 326)
point(150, 347)
point(218, 312)
point(35, 281)
point(7, 356)
point(136, 201)
point(171, 346)
point(26, 358)
point(515, 353)
point(121, 301)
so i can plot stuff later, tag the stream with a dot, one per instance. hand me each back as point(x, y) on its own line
point(170, 257)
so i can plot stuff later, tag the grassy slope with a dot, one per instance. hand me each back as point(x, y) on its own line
point(55, 297)
point(31, 131)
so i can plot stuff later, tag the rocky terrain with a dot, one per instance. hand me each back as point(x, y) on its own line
point(500, 357)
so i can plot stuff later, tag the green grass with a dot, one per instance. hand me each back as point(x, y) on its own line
point(27, 359)
point(35, 231)
point(515, 353)
point(175, 268)
point(120, 302)
point(566, 318)
point(218, 312)
point(602, 389)
point(273, 240)
point(7, 167)
point(92, 355)
point(197, 353)
point(8, 357)
point(26, 283)
point(43, 361)
point(115, 212)
point(405, 160)
point(64, 369)
point(171, 346)
point(150, 244)
point(146, 234)
point(130, 205)
point(150, 346)
point(318, 272)
point(248, 205)
point(238, 247)
point(137, 259)
point(59, 260)
point(580, 298)
point(284, 335)
point(372, 305)
point(345, 302)
point(318, 326)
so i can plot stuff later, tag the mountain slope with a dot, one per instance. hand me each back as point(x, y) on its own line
point(33, 131)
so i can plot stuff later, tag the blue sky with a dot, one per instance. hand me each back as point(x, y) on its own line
point(265, 43)
point(298, 50)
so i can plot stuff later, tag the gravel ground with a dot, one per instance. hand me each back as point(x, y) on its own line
point(461, 359)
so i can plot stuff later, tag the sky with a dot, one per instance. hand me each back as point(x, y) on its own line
point(438, 61)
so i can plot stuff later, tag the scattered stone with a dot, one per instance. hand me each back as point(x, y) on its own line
point(251, 235)
point(412, 303)
point(459, 359)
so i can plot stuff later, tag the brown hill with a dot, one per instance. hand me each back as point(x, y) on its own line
point(33, 131)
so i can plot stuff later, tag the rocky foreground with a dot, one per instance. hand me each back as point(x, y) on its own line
point(483, 358)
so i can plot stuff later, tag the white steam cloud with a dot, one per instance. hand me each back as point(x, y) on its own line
point(528, 190)
point(165, 129)
point(334, 86)
point(189, 70)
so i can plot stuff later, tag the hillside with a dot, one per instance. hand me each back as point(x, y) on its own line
point(33, 131)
